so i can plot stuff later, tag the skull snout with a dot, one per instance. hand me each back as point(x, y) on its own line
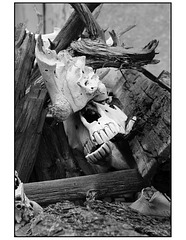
point(101, 127)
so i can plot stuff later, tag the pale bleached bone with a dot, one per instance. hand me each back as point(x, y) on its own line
point(101, 130)
point(115, 114)
point(69, 82)
point(112, 121)
point(83, 136)
point(156, 205)
point(79, 139)
point(130, 125)
point(24, 208)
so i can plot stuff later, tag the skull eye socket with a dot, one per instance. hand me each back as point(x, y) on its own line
point(90, 113)
point(19, 207)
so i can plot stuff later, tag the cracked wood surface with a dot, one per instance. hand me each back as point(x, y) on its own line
point(150, 140)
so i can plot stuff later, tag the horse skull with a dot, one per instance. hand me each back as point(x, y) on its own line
point(96, 125)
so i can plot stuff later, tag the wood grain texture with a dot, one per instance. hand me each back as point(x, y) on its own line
point(29, 120)
point(151, 136)
point(99, 55)
point(105, 184)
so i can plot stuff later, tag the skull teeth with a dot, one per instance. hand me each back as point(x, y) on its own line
point(99, 154)
point(98, 138)
point(104, 135)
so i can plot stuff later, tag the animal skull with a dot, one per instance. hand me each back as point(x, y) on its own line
point(91, 130)
point(75, 90)
point(24, 208)
point(71, 84)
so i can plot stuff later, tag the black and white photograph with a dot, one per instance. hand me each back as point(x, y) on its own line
point(92, 119)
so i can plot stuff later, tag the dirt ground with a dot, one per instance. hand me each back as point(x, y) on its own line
point(95, 218)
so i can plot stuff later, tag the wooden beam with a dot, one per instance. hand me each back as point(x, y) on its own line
point(106, 184)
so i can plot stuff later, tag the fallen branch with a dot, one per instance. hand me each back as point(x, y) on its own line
point(127, 181)
point(99, 55)
point(86, 16)
point(72, 29)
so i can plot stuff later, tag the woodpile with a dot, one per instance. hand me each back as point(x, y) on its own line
point(50, 169)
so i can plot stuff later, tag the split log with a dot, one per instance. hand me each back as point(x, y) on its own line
point(47, 192)
point(150, 138)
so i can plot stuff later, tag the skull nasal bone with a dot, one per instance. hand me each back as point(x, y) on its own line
point(90, 115)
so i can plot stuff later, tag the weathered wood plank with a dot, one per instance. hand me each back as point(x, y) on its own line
point(29, 120)
point(150, 140)
point(106, 184)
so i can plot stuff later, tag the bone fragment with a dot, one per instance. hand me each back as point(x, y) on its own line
point(25, 209)
point(71, 84)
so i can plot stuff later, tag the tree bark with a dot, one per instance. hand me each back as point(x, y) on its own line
point(47, 192)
